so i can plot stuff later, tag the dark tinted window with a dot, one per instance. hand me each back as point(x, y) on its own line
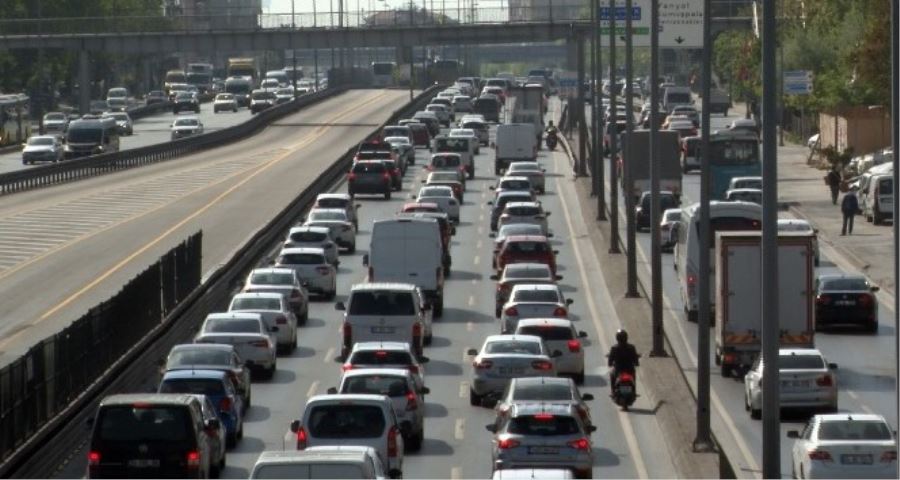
point(309, 236)
point(368, 168)
point(202, 356)
point(527, 272)
point(548, 392)
point(527, 247)
point(451, 145)
point(852, 284)
point(885, 187)
point(797, 362)
point(301, 259)
point(548, 333)
point(200, 386)
point(515, 185)
point(854, 430)
point(444, 162)
point(252, 303)
point(544, 425)
point(474, 125)
point(523, 211)
point(272, 279)
point(509, 346)
point(222, 325)
point(374, 155)
point(381, 302)
point(529, 295)
point(678, 97)
point(346, 421)
point(331, 203)
point(380, 357)
point(127, 423)
point(376, 385)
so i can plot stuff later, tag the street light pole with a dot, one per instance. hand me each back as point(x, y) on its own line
point(655, 260)
point(294, 50)
point(597, 124)
point(595, 164)
point(630, 240)
point(612, 127)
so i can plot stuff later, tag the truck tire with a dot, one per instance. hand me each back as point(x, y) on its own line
point(439, 307)
point(876, 217)
point(725, 370)
point(497, 170)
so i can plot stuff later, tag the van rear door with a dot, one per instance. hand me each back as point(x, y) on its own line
point(407, 251)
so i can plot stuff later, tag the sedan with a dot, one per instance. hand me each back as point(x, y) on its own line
point(512, 230)
point(312, 267)
point(509, 183)
point(524, 213)
point(556, 390)
point(504, 357)
point(195, 356)
point(225, 102)
point(55, 122)
point(342, 229)
point(313, 237)
point(531, 170)
point(186, 127)
point(275, 312)
point(559, 334)
point(42, 148)
point(339, 200)
point(284, 281)
point(846, 299)
point(529, 300)
point(445, 176)
point(443, 197)
point(807, 381)
point(247, 333)
point(801, 227)
point(517, 274)
point(123, 121)
point(844, 445)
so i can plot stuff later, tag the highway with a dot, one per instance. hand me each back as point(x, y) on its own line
point(150, 131)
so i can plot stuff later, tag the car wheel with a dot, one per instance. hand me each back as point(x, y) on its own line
point(428, 339)
point(352, 248)
point(755, 413)
point(415, 442)
point(579, 378)
point(230, 440)
point(387, 195)
point(474, 398)
point(873, 327)
point(270, 372)
point(725, 370)
point(876, 218)
point(439, 308)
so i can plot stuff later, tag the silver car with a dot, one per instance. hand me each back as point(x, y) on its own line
point(225, 101)
point(441, 196)
point(56, 122)
point(532, 170)
point(449, 162)
point(185, 127)
point(524, 212)
point(275, 312)
point(559, 334)
point(519, 274)
point(558, 390)
point(533, 301)
point(313, 269)
point(467, 133)
point(386, 355)
point(247, 333)
point(313, 237)
point(807, 381)
point(536, 435)
point(284, 281)
point(341, 224)
point(339, 200)
point(42, 148)
point(512, 183)
point(195, 356)
point(504, 357)
point(406, 150)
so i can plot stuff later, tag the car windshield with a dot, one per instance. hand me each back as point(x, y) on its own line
point(397, 140)
point(748, 183)
point(184, 96)
point(368, 168)
point(523, 211)
point(515, 185)
point(201, 386)
point(322, 215)
point(443, 176)
point(542, 391)
point(186, 122)
point(435, 192)
point(346, 421)
point(854, 430)
point(84, 135)
point(800, 362)
point(123, 424)
point(272, 278)
point(308, 236)
point(380, 357)
point(301, 259)
point(199, 356)
point(54, 116)
point(842, 284)
point(527, 247)
point(530, 272)
point(391, 386)
point(548, 333)
point(512, 346)
point(543, 425)
point(445, 161)
point(381, 302)
point(535, 295)
point(332, 203)
point(230, 325)
point(256, 303)
point(40, 141)
point(224, 96)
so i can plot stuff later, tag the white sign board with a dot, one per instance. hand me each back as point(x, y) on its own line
point(680, 22)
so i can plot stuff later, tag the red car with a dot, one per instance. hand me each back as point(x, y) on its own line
point(420, 207)
point(526, 249)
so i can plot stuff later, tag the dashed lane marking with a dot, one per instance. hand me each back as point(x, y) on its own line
point(312, 389)
point(459, 431)
point(328, 355)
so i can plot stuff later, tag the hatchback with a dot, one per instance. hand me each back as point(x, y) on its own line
point(443, 197)
point(504, 357)
point(284, 281)
point(502, 198)
point(215, 385)
point(807, 381)
point(524, 213)
point(386, 355)
point(846, 300)
point(313, 269)
point(370, 177)
point(313, 237)
point(451, 162)
point(275, 312)
point(341, 225)
point(520, 273)
point(434, 181)
point(339, 200)
point(247, 333)
point(511, 183)
point(531, 170)
point(559, 334)
point(844, 445)
point(557, 390)
point(533, 300)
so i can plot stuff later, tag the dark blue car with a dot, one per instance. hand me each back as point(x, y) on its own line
point(216, 385)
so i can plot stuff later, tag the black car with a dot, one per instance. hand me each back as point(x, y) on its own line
point(186, 101)
point(156, 96)
point(371, 177)
point(489, 107)
point(642, 212)
point(846, 300)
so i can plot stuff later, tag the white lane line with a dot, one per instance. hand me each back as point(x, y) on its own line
point(459, 432)
point(481, 218)
point(478, 244)
point(456, 473)
point(328, 355)
point(312, 389)
point(476, 260)
point(471, 300)
point(863, 406)
point(481, 230)
point(470, 326)
point(463, 389)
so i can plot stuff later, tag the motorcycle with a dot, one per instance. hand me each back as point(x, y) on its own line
point(551, 141)
point(623, 392)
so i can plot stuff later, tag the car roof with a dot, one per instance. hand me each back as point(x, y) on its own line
point(527, 381)
point(525, 238)
point(358, 346)
point(148, 398)
point(749, 177)
point(340, 196)
point(746, 190)
point(536, 286)
point(309, 228)
point(835, 276)
point(545, 322)
point(367, 287)
point(528, 266)
point(195, 373)
point(334, 210)
point(513, 337)
point(235, 315)
point(436, 187)
point(386, 372)
point(316, 250)
point(202, 346)
point(271, 295)
point(332, 454)
point(344, 398)
point(507, 193)
point(831, 417)
point(272, 270)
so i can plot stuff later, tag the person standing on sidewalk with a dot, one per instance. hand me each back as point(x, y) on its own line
point(849, 207)
point(833, 180)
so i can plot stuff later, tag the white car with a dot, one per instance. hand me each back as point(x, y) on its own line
point(532, 170)
point(345, 461)
point(559, 334)
point(807, 381)
point(745, 182)
point(185, 127)
point(752, 195)
point(341, 224)
point(668, 231)
point(511, 183)
point(504, 357)
point(247, 333)
point(339, 200)
point(386, 355)
point(537, 300)
point(467, 133)
point(313, 269)
point(313, 237)
point(524, 212)
point(284, 281)
point(844, 445)
point(224, 102)
point(275, 311)
point(441, 196)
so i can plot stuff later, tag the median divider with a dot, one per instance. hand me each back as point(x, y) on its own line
point(51, 447)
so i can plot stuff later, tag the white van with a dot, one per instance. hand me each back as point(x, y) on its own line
point(674, 96)
point(877, 203)
point(409, 250)
point(382, 312)
point(514, 143)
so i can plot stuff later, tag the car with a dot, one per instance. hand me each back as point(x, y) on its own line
point(383, 312)
point(284, 95)
point(462, 103)
point(431, 121)
point(520, 273)
point(262, 99)
point(556, 390)
point(225, 102)
point(186, 127)
point(801, 227)
point(807, 382)
point(186, 101)
point(668, 229)
point(209, 356)
point(339, 200)
point(844, 445)
point(312, 267)
point(386, 355)
point(690, 153)
point(447, 162)
point(249, 336)
point(55, 122)
point(441, 111)
point(447, 231)
point(535, 435)
point(217, 437)
point(501, 199)
point(558, 334)
point(284, 281)
point(353, 419)
point(533, 473)
point(689, 111)
point(392, 131)
point(416, 207)
point(116, 104)
point(752, 195)
point(275, 311)
point(343, 230)
point(510, 183)
point(467, 133)
point(531, 170)
point(745, 125)
point(42, 148)
point(685, 128)
point(443, 197)
point(151, 435)
point(745, 182)
point(846, 299)
point(97, 107)
point(667, 200)
point(218, 387)
point(533, 300)
point(155, 96)
point(504, 357)
point(406, 394)
point(123, 121)
point(313, 237)
point(420, 133)
point(406, 149)
point(370, 177)
point(524, 213)
point(526, 249)
point(446, 179)
point(345, 461)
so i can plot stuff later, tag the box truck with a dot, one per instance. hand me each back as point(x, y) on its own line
point(637, 154)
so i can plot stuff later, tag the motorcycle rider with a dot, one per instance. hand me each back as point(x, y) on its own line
point(551, 130)
point(623, 357)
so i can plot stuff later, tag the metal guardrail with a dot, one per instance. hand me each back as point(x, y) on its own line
point(81, 168)
point(40, 458)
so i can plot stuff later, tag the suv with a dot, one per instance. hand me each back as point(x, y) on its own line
point(339, 200)
point(383, 312)
point(370, 177)
point(186, 101)
point(150, 435)
point(366, 420)
point(559, 334)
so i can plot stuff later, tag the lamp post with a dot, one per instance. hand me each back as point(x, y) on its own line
point(294, 50)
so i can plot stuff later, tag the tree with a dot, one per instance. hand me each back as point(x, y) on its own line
point(737, 63)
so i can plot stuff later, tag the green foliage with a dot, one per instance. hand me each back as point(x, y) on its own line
point(737, 62)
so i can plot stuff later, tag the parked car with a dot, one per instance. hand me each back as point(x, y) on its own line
point(844, 445)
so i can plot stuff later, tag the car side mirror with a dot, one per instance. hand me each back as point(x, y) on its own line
point(592, 429)
point(425, 390)
point(793, 434)
point(558, 277)
point(569, 301)
point(582, 334)
point(492, 187)
point(874, 288)
point(556, 252)
point(339, 306)
point(495, 277)
point(587, 397)
point(212, 424)
point(273, 329)
point(295, 426)
point(491, 428)
point(547, 214)
point(472, 352)
point(365, 260)
point(331, 391)
point(492, 235)
point(489, 202)
point(555, 354)
point(423, 359)
point(832, 366)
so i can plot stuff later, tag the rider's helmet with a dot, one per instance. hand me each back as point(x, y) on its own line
point(550, 123)
point(621, 336)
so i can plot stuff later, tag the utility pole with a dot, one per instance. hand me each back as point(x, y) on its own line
point(294, 50)
point(600, 171)
point(613, 128)
point(895, 134)
point(703, 438)
point(771, 439)
point(630, 240)
point(655, 260)
point(595, 164)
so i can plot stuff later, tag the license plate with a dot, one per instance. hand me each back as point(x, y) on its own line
point(845, 303)
point(795, 383)
point(383, 330)
point(511, 370)
point(856, 459)
point(543, 450)
point(625, 389)
point(143, 463)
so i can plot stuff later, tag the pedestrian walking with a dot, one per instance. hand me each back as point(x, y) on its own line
point(849, 207)
point(833, 180)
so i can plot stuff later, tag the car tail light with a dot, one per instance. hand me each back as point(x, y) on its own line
point(580, 444)
point(825, 380)
point(193, 459)
point(541, 365)
point(512, 311)
point(94, 458)
point(413, 369)
point(819, 455)
point(225, 404)
point(323, 270)
point(889, 456)
point(397, 171)
point(301, 438)
point(865, 300)
point(483, 365)
point(574, 346)
point(823, 300)
point(691, 280)
point(560, 312)
point(260, 343)
point(280, 320)
point(351, 177)
point(507, 443)
point(347, 330)
point(392, 442)
point(346, 367)
point(411, 402)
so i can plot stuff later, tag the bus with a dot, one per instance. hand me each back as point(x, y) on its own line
point(15, 119)
point(723, 217)
point(444, 71)
point(733, 154)
point(383, 73)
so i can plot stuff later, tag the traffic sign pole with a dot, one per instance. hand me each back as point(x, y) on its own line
point(613, 151)
point(630, 240)
point(655, 254)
